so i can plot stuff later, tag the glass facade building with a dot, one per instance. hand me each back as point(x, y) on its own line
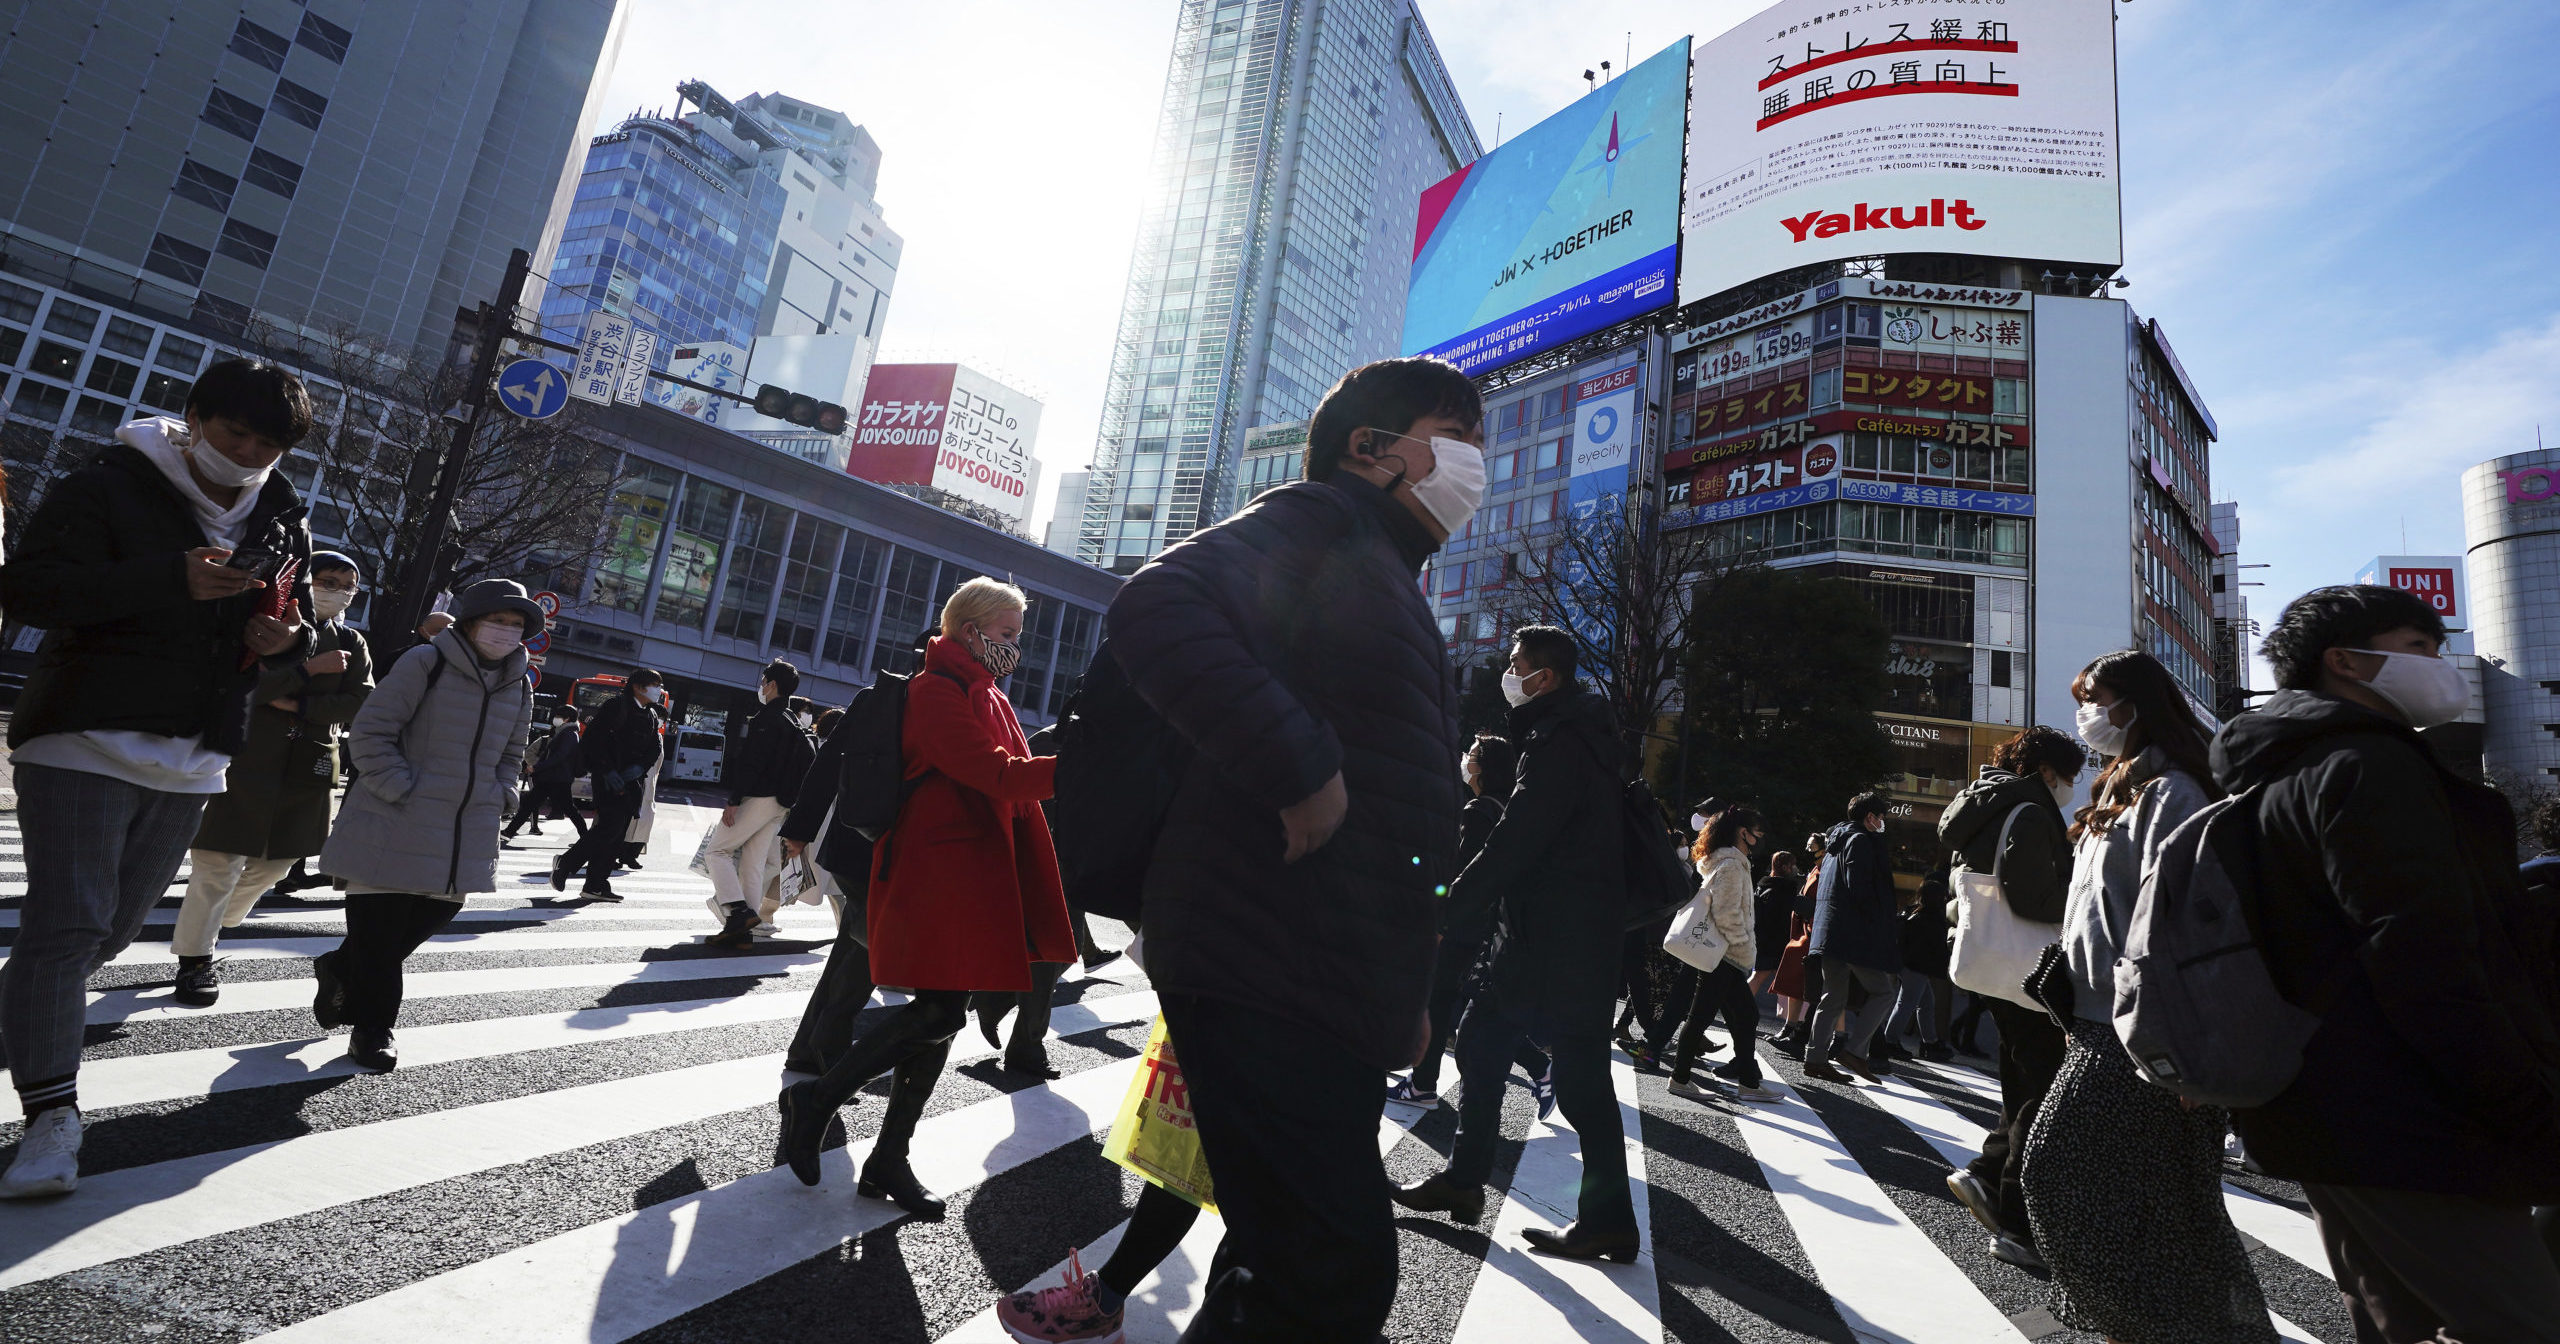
point(1295, 139)
point(671, 228)
point(332, 166)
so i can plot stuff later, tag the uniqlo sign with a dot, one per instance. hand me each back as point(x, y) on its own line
point(2435, 585)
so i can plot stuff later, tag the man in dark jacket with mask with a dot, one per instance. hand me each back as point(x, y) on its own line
point(619, 746)
point(2011, 822)
point(1858, 934)
point(151, 570)
point(1549, 887)
point(1291, 910)
point(2425, 1123)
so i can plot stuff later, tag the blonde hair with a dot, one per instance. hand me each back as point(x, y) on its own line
point(979, 599)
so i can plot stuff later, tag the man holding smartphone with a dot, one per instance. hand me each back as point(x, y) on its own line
point(155, 641)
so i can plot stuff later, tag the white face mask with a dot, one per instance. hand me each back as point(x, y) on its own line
point(1455, 488)
point(1513, 691)
point(221, 470)
point(2061, 795)
point(331, 603)
point(765, 693)
point(2104, 735)
point(2427, 691)
point(656, 695)
point(495, 642)
point(1697, 821)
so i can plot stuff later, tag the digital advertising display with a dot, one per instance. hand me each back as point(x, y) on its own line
point(1572, 225)
point(1819, 132)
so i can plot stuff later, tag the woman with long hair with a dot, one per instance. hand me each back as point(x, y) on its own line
point(2123, 1180)
point(964, 891)
point(1723, 856)
point(1796, 966)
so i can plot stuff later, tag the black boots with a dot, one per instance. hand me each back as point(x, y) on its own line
point(371, 1048)
point(197, 985)
point(804, 1128)
point(739, 933)
point(328, 997)
point(885, 1174)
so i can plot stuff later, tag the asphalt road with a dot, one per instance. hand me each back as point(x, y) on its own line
point(578, 1145)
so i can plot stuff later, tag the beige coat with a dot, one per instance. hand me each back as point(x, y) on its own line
point(1728, 894)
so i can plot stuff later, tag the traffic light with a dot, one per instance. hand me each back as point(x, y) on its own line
point(781, 403)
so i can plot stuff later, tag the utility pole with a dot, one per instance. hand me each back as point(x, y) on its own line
point(496, 323)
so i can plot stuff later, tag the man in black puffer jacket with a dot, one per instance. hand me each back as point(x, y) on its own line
point(1292, 908)
point(1552, 881)
point(619, 746)
point(2425, 1123)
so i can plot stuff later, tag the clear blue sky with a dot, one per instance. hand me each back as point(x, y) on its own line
point(2339, 211)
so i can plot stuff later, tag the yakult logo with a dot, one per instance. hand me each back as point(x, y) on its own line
point(1937, 214)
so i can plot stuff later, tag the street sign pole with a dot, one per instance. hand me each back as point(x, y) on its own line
point(497, 322)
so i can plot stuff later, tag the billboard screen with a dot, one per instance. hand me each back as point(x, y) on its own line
point(950, 427)
point(1816, 135)
point(1571, 226)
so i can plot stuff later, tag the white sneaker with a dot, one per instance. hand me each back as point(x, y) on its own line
point(719, 912)
point(48, 1161)
point(768, 929)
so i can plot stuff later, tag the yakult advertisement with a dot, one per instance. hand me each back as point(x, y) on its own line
point(1820, 130)
point(950, 427)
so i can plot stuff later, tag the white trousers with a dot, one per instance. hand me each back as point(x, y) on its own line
point(220, 889)
point(742, 853)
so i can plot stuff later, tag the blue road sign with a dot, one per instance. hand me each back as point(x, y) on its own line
point(533, 389)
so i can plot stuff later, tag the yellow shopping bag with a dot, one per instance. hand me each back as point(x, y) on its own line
point(1155, 1135)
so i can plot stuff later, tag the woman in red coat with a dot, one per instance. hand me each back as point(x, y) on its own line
point(964, 889)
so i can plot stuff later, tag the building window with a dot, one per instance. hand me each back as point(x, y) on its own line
point(1078, 631)
point(324, 37)
point(906, 611)
point(18, 303)
point(55, 360)
point(693, 553)
point(804, 586)
point(299, 104)
point(73, 321)
point(274, 172)
point(100, 418)
point(208, 187)
point(857, 596)
point(39, 401)
point(2008, 396)
point(226, 111)
point(258, 44)
point(1826, 387)
point(127, 338)
point(181, 354)
point(162, 392)
point(247, 243)
point(12, 341)
point(638, 517)
point(113, 377)
point(755, 561)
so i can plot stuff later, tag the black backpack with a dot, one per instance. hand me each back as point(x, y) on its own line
point(1119, 765)
point(1659, 881)
point(871, 780)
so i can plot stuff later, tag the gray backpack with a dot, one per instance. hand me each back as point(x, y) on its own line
point(2195, 1006)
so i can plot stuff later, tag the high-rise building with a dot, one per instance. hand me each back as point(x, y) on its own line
point(1066, 513)
point(330, 167)
point(1295, 138)
point(2511, 543)
point(748, 224)
point(2234, 634)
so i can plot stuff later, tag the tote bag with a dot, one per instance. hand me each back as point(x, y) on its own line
point(1694, 937)
point(1995, 947)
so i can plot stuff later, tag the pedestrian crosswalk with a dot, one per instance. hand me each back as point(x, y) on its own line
point(578, 1146)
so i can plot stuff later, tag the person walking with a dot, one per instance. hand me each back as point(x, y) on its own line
point(438, 748)
point(964, 890)
point(764, 768)
point(274, 807)
point(844, 855)
point(1291, 912)
point(2425, 1122)
point(1723, 856)
point(619, 750)
point(1490, 768)
point(1796, 979)
point(2029, 779)
point(1927, 997)
point(555, 768)
point(1549, 891)
point(2108, 1151)
point(149, 569)
point(1856, 935)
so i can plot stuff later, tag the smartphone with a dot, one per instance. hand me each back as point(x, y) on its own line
point(258, 563)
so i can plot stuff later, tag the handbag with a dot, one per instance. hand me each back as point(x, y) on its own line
point(1996, 948)
point(1694, 937)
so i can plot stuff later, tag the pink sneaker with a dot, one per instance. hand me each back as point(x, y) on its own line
point(1065, 1313)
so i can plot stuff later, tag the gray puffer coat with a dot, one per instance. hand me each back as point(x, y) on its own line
point(437, 749)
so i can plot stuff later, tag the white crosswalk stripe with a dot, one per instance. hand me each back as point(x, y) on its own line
point(306, 1170)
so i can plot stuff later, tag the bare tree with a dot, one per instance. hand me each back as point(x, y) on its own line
point(1627, 591)
point(967, 508)
point(534, 493)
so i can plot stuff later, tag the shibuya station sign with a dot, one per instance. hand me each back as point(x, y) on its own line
point(1820, 131)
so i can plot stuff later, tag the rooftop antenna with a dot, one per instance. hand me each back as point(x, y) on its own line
point(1497, 130)
point(1629, 57)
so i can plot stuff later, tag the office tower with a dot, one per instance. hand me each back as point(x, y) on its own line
point(334, 167)
point(1295, 138)
point(746, 224)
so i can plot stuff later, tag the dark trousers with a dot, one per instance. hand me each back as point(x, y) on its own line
point(383, 928)
point(1724, 991)
point(1289, 1124)
point(598, 845)
point(844, 988)
point(1158, 1225)
point(1583, 1092)
point(2418, 1267)
point(1448, 1003)
point(2031, 1049)
point(536, 796)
